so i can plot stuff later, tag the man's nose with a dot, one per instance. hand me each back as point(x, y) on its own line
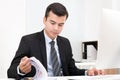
point(56, 27)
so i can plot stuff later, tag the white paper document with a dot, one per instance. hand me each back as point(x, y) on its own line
point(41, 73)
point(91, 53)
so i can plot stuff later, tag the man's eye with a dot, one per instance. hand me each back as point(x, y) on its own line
point(52, 23)
point(60, 24)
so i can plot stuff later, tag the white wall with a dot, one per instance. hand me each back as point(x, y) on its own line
point(12, 27)
point(19, 17)
point(92, 13)
point(73, 28)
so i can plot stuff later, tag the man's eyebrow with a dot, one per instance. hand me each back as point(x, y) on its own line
point(52, 21)
point(55, 22)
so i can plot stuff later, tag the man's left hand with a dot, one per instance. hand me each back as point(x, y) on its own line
point(94, 71)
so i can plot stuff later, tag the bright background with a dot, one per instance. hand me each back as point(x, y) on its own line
point(21, 17)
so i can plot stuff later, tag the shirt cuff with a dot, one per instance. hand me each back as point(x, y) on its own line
point(18, 71)
point(85, 72)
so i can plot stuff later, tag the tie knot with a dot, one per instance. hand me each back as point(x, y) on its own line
point(52, 43)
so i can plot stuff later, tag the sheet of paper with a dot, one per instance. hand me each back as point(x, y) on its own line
point(91, 53)
point(41, 73)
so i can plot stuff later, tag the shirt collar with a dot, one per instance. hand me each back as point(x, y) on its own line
point(48, 39)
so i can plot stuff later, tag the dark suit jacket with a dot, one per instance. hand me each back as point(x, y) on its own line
point(34, 45)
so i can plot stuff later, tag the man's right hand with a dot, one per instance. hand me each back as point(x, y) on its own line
point(25, 65)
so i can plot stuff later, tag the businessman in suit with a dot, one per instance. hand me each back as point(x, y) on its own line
point(37, 45)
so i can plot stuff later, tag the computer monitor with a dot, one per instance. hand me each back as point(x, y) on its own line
point(109, 40)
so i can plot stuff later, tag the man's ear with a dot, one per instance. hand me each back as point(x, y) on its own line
point(44, 20)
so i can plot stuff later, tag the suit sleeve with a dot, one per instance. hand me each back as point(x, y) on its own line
point(22, 51)
point(73, 70)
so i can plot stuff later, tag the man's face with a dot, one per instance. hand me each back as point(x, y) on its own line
point(53, 24)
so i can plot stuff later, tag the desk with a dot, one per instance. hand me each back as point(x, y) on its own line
point(101, 77)
point(89, 65)
point(104, 77)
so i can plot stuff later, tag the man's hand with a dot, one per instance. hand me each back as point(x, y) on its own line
point(25, 65)
point(94, 71)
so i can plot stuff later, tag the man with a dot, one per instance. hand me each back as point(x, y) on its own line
point(38, 45)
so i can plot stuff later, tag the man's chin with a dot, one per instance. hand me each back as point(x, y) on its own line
point(54, 36)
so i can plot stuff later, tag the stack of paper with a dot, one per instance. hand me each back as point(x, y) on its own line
point(41, 73)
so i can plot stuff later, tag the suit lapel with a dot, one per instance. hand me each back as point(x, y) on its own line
point(43, 49)
point(61, 51)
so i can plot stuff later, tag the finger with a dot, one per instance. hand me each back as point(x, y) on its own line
point(97, 72)
point(24, 61)
point(27, 65)
point(26, 68)
point(102, 72)
point(24, 58)
point(91, 73)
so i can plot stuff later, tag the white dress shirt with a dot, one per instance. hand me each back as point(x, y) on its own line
point(48, 47)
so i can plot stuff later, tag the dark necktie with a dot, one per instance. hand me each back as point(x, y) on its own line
point(54, 60)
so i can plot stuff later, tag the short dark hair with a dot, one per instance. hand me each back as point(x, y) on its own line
point(58, 9)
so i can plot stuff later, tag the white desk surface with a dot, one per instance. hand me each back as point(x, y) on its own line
point(104, 77)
